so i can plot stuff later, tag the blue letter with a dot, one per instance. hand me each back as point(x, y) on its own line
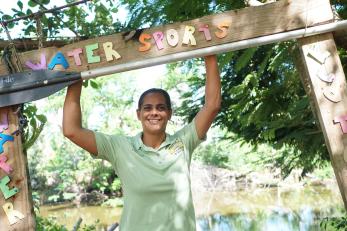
point(58, 59)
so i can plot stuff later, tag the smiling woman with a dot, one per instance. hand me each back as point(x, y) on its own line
point(153, 165)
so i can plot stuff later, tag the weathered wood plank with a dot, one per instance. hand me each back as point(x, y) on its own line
point(17, 160)
point(324, 95)
point(245, 23)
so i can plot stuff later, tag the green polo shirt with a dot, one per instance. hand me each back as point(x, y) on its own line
point(156, 182)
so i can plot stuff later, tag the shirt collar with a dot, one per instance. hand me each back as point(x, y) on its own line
point(140, 145)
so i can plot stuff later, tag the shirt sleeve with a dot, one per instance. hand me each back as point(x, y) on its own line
point(189, 137)
point(108, 147)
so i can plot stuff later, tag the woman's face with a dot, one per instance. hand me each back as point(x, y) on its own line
point(154, 113)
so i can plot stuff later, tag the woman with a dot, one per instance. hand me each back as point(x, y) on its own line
point(153, 165)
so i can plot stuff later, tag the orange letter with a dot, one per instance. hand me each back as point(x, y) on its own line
point(223, 27)
point(146, 45)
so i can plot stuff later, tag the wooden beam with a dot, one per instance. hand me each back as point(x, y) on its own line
point(21, 201)
point(221, 28)
point(325, 74)
point(27, 44)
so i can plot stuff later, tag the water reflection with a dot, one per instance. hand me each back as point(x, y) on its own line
point(271, 209)
point(304, 220)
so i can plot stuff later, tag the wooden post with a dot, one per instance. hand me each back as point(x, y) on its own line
point(324, 72)
point(16, 211)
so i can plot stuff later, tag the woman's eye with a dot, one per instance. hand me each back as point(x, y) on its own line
point(147, 108)
point(161, 108)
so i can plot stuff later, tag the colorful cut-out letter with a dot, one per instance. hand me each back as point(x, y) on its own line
point(76, 55)
point(109, 52)
point(188, 36)
point(5, 189)
point(7, 168)
point(13, 216)
point(91, 58)
point(38, 66)
point(172, 37)
point(3, 122)
point(59, 58)
point(145, 45)
point(158, 38)
point(223, 30)
point(342, 121)
point(3, 139)
point(206, 31)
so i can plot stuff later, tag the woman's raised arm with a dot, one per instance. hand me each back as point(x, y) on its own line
point(72, 120)
point(209, 111)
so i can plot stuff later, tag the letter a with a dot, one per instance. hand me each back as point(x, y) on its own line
point(59, 58)
point(13, 216)
point(3, 139)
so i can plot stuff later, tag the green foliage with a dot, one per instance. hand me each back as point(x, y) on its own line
point(264, 103)
point(50, 224)
point(59, 170)
point(214, 155)
point(36, 123)
point(334, 224)
point(115, 202)
point(116, 185)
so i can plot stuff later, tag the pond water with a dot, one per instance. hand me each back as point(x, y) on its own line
point(264, 209)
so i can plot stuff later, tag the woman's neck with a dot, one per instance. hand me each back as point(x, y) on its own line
point(153, 140)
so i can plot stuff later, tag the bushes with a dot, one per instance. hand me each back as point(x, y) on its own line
point(334, 224)
point(50, 224)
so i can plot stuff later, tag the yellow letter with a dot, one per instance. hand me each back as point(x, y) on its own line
point(12, 215)
point(109, 52)
point(188, 35)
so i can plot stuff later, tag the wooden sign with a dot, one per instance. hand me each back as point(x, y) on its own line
point(16, 211)
point(330, 98)
point(324, 72)
point(207, 31)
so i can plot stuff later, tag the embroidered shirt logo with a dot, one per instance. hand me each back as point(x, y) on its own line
point(176, 148)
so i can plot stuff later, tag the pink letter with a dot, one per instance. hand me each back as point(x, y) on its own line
point(38, 66)
point(7, 168)
point(76, 55)
point(206, 31)
point(342, 121)
point(158, 38)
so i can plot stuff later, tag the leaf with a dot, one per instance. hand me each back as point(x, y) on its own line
point(42, 118)
point(93, 84)
point(32, 3)
point(20, 5)
point(244, 59)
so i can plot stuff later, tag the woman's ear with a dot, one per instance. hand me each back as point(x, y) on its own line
point(138, 114)
point(170, 114)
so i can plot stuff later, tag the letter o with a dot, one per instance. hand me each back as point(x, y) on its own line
point(172, 37)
